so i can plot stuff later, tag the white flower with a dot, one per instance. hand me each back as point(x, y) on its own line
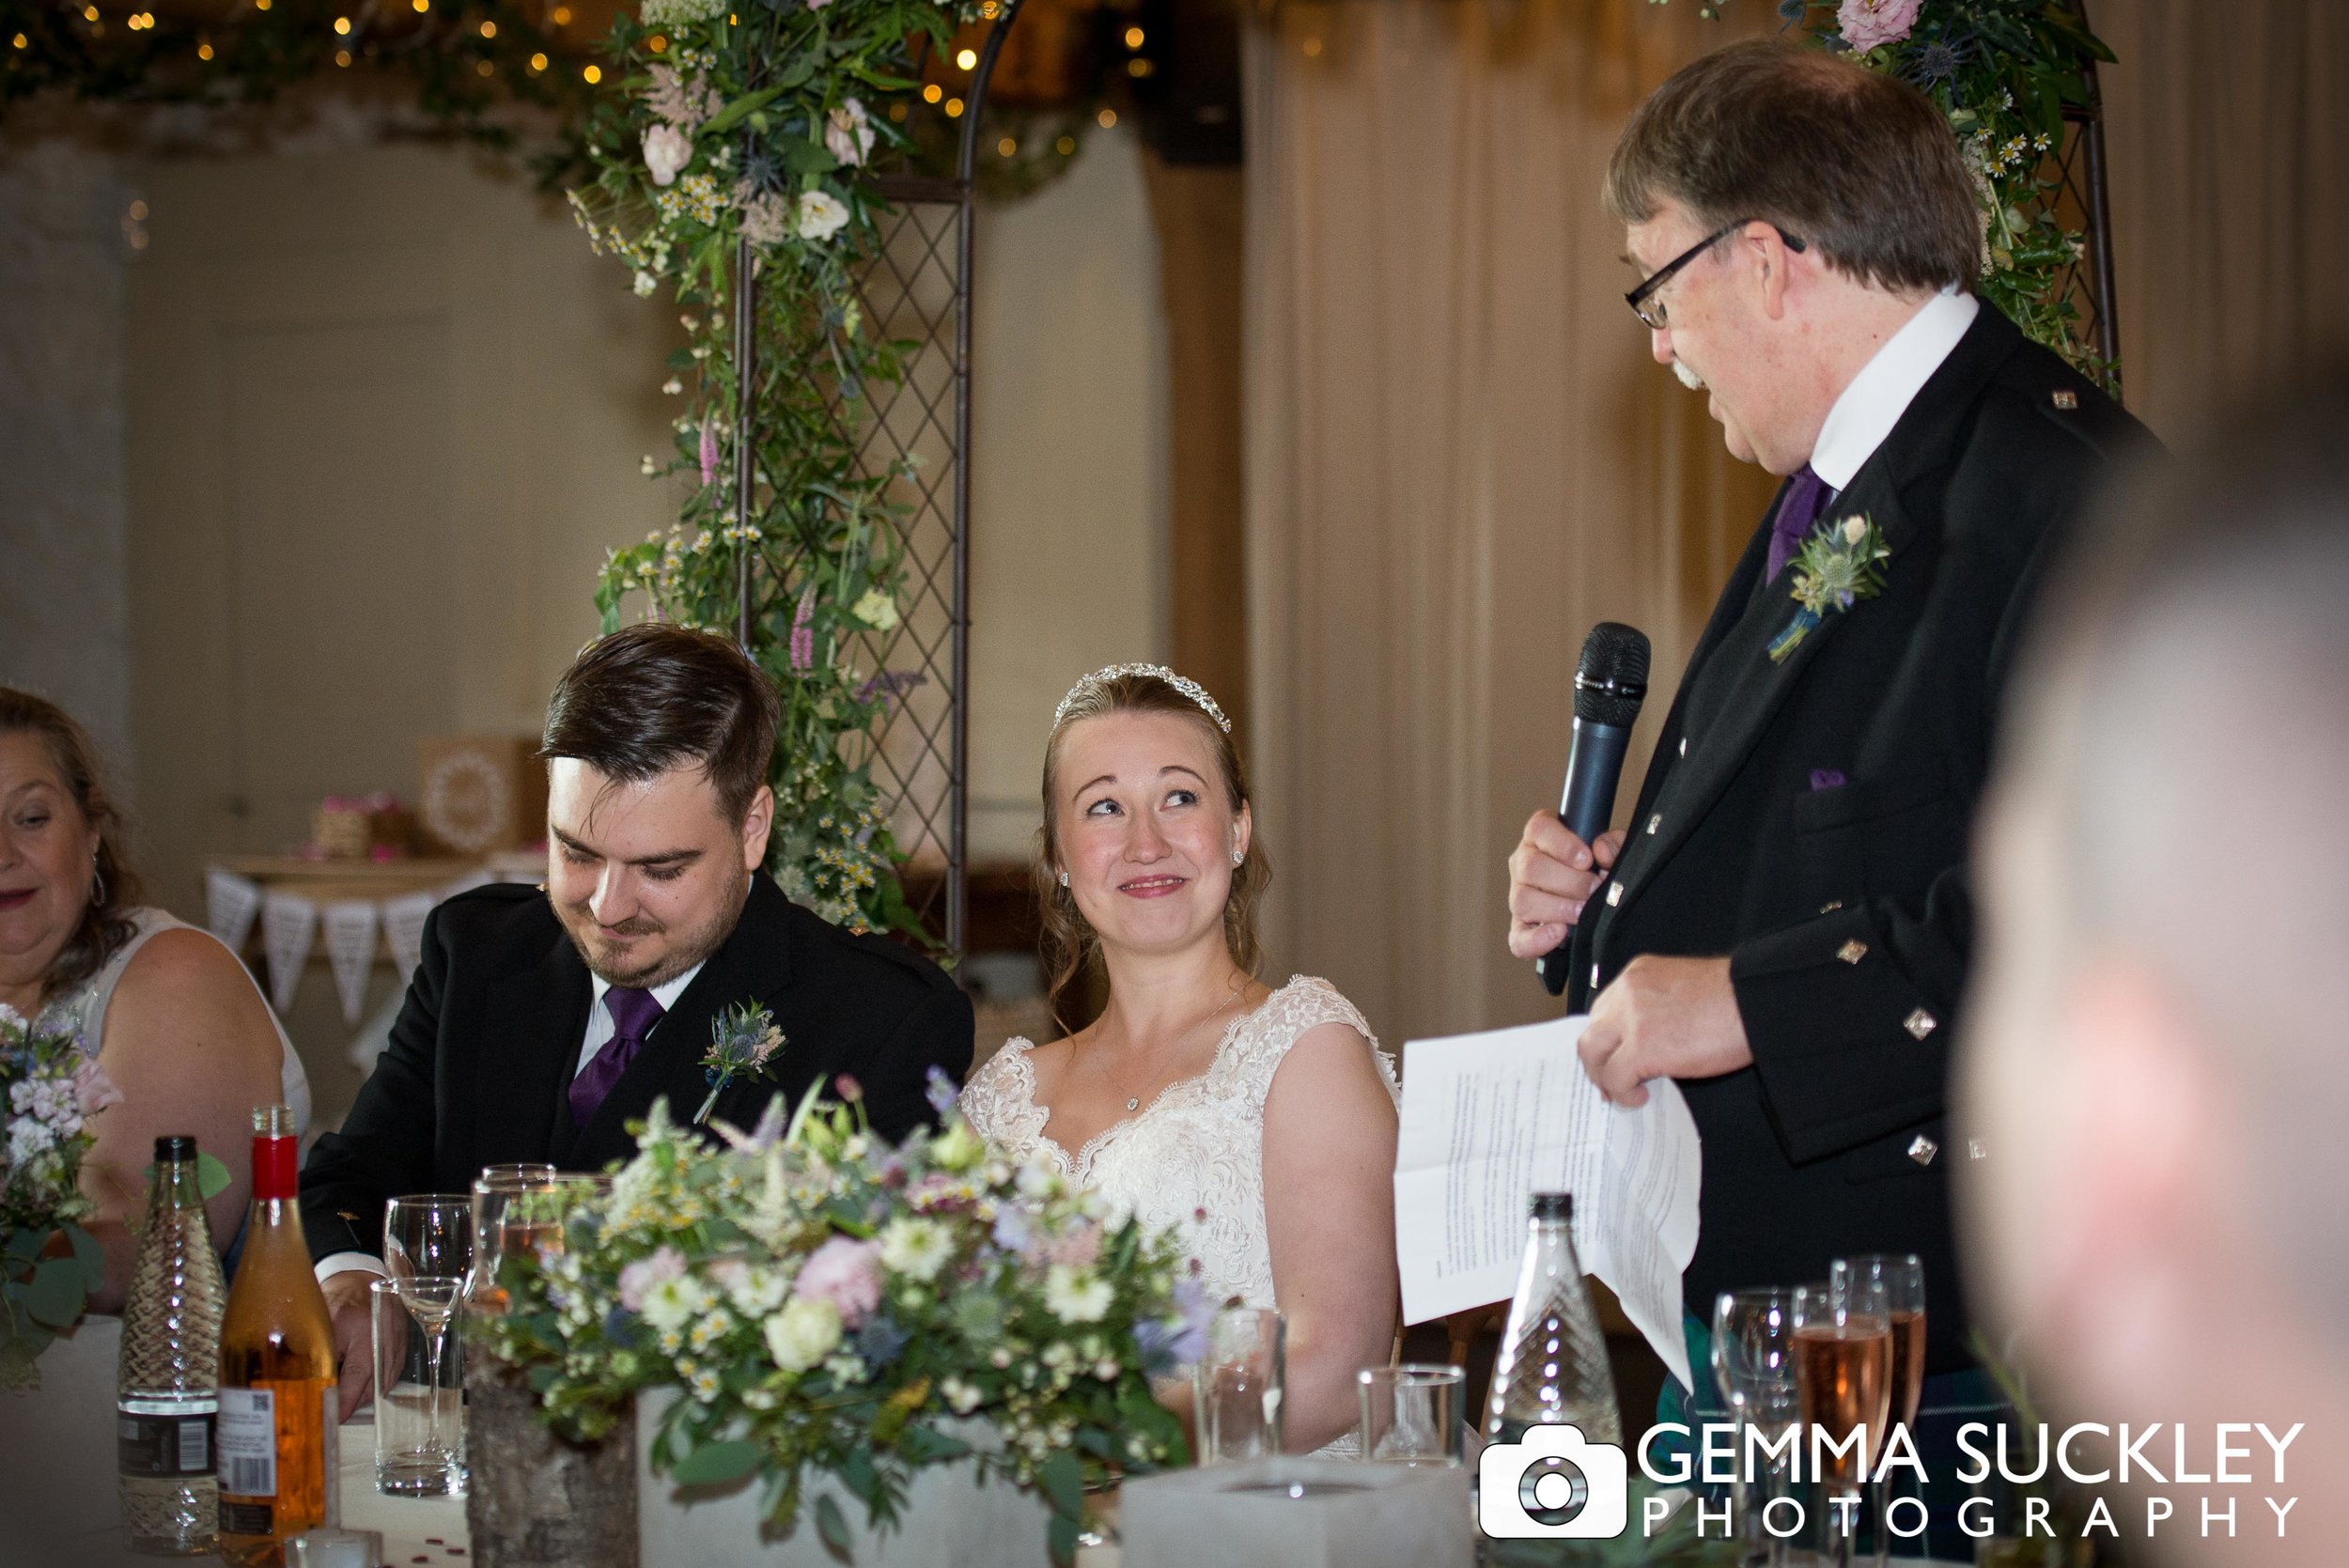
point(1076, 1294)
point(803, 1334)
point(849, 135)
point(26, 1138)
point(820, 215)
point(676, 13)
point(672, 386)
point(1855, 530)
point(761, 1291)
point(961, 1397)
point(917, 1249)
point(644, 283)
point(674, 1303)
point(1036, 1181)
point(667, 149)
point(876, 610)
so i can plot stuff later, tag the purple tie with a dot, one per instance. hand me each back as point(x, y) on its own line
point(633, 1013)
point(1805, 498)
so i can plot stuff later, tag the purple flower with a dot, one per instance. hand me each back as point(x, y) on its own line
point(804, 633)
point(891, 683)
point(940, 1092)
point(846, 1273)
point(879, 1341)
point(1012, 1231)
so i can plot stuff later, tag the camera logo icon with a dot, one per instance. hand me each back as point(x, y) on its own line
point(1553, 1483)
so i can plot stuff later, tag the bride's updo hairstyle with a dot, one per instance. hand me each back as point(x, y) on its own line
point(1070, 949)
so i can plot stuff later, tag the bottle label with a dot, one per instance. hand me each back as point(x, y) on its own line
point(246, 1435)
point(246, 1518)
point(163, 1445)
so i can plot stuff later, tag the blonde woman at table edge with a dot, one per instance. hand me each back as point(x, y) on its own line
point(1260, 1123)
point(166, 1010)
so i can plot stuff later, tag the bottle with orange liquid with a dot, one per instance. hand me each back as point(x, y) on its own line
point(277, 1425)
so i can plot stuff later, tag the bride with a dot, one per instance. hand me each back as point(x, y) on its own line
point(1261, 1123)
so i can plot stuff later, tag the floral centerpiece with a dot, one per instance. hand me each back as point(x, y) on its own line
point(828, 1304)
point(48, 1263)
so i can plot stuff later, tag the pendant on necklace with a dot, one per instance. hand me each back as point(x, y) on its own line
point(1134, 1103)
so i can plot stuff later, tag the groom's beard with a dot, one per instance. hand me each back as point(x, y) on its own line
point(688, 945)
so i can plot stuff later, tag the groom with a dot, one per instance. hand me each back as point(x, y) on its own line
point(542, 1020)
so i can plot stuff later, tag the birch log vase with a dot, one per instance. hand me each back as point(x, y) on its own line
point(535, 1501)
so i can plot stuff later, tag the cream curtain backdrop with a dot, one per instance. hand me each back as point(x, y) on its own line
point(1459, 455)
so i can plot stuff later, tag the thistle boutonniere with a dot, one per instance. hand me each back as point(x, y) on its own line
point(742, 1039)
point(1840, 565)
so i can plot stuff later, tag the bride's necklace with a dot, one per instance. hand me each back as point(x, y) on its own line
point(1133, 1102)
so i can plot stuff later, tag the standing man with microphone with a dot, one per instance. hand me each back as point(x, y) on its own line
point(1785, 925)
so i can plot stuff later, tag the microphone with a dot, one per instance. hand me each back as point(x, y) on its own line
point(1609, 686)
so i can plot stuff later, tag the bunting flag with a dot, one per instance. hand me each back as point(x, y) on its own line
point(403, 931)
point(231, 902)
point(289, 925)
point(351, 925)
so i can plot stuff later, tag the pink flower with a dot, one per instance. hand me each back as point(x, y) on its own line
point(846, 1273)
point(708, 455)
point(1076, 1248)
point(639, 1278)
point(93, 1091)
point(848, 134)
point(1870, 23)
point(667, 149)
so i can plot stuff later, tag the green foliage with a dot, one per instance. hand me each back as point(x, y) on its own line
point(2004, 72)
point(462, 74)
point(804, 1289)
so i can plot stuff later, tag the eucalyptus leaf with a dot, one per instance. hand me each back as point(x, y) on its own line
point(54, 1297)
point(833, 1526)
point(715, 1464)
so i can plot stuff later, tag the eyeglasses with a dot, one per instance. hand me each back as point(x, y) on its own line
point(1642, 300)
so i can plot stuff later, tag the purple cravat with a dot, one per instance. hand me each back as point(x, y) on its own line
point(633, 1013)
point(1805, 498)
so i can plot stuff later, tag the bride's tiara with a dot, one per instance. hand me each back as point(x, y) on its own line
point(1184, 684)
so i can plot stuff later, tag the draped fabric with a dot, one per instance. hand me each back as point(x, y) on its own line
point(1459, 454)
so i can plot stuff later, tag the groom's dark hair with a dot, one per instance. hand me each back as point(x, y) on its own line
point(652, 697)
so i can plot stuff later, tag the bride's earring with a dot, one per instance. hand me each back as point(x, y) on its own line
point(1238, 855)
point(1063, 878)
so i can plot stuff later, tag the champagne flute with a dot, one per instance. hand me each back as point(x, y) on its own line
point(1753, 1366)
point(1844, 1380)
point(1904, 1278)
point(494, 1192)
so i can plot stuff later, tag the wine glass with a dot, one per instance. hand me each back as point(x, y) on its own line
point(1753, 1366)
point(427, 1233)
point(1904, 1278)
point(1844, 1381)
point(494, 1192)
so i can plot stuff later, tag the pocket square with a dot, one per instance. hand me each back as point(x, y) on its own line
point(1826, 778)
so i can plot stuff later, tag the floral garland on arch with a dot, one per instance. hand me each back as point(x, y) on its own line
point(760, 122)
point(2004, 72)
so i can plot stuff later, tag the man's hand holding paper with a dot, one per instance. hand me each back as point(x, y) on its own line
point(1663, 1017)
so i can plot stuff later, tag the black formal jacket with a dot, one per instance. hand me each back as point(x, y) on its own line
point(481, 1059)
point(1844, 905)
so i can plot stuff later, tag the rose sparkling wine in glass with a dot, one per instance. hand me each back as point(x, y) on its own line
point(1904, 1278)
point(1844, 1383)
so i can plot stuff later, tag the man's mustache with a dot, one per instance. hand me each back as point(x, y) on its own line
point(635, 926)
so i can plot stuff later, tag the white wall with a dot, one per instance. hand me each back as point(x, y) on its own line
point(1069, 557)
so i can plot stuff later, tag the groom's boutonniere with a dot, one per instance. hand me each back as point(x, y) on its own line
point(742, 1039)
point(1837, 567)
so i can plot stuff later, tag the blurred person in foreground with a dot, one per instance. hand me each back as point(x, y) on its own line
point(2153, 1075)
point(543, 1020)
point(162, 1009)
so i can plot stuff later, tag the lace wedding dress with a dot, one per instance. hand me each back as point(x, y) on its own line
point(1192, 1159)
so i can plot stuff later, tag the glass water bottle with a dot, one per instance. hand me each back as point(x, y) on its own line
point(167, 1381)
point(1553, 1365)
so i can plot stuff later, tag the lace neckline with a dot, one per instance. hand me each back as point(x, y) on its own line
point(1077, 1165)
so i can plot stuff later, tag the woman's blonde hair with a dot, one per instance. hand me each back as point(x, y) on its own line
point(1069, 947)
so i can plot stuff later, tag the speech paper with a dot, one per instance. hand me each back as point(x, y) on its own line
point(1490, 1119)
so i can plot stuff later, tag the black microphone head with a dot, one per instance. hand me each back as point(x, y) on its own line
point(1611, 681)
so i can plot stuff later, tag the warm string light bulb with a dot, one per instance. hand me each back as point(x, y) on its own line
point(488, 29)
point(342, 27)
point(592, 74)
point(1065, 147)
point(1106, 118)
point(538, 64)
point(932, 93)
point(1133, 38)
point(1005, 147)
point(954, 108)
point(966, 58)
point(421, 5)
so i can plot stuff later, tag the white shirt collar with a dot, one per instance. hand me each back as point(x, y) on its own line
point(665, 994)
point(1887, 384)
